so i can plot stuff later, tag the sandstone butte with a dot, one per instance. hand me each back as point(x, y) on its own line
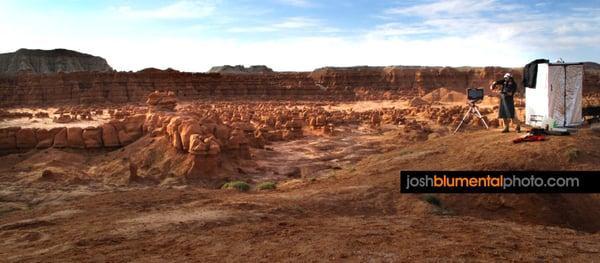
point(331, 83)
point(38, 61)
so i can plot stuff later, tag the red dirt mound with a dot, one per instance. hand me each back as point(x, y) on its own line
point(444, 95)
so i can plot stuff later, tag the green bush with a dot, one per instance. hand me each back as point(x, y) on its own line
point(266, 186)
point(238, 185)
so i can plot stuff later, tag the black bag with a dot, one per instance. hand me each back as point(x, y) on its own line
point(530, 72)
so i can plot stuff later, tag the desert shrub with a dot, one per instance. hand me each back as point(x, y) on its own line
point(266, 186)
point(432, 199)
point(238, 185)
point(572, 153)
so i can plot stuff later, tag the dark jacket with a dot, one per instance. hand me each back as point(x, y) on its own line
point(508, 87)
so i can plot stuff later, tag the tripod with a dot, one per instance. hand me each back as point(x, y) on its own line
point(473, 109)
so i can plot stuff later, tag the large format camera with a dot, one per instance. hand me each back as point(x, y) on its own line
point(475, 94)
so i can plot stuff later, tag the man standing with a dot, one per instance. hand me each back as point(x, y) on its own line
point(507, 104)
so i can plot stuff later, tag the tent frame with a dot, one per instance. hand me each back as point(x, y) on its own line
point(564, 65)
point(532, 118)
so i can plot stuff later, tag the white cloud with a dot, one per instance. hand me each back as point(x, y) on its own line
point(252, 29)
point(177, 10)
point(448, 7)
point(298, 22)
point(445, 39)
point(453, 8)
point(527, 30)
point(298, 3)
point(398, 29)
point(288, 24)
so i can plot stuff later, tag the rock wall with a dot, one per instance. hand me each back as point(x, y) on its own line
point(409, 80)
point(325, 83)
point(591, 82)
point(121, 87)
point(37, 61)
point(115, 133)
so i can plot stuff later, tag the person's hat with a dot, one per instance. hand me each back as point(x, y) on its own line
point(507, 75)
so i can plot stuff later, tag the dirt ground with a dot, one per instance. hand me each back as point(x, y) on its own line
point(337, 199)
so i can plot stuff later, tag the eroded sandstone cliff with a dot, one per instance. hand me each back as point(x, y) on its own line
point(325, 83)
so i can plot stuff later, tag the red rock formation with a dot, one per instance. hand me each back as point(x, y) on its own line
point(60, 139)
point(113, 134)
point(45, 138)
point(26, 138)
point(110, 137)
point(92, 137)
point(8, 138)
point(75, 137)
point(120, 87)
point(165, 101)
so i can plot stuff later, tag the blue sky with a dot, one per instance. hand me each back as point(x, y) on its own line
point(301, 35)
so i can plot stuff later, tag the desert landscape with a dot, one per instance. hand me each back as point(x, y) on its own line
point(249, 164)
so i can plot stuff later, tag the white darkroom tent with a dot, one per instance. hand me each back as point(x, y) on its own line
point(557, 95)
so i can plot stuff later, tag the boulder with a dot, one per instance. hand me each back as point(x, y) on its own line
point(60, 139)
point(45, 137)
point(134, 122)
point(8, 138)
point(92, 137)
point(131, 129)
point(151, 123)
point(236, 139)
point(186, 129)
point(244, 126)
point(295, 123)
point(173, 133)
point(222, 133)
point(197, 145)
point(64, 119)
point(162, 101)
point(75, 137)
point(214, 148)
point(126, 138)
point(110, 137)
point(26, 138)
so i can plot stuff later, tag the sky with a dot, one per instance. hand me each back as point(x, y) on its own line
point(301, 35)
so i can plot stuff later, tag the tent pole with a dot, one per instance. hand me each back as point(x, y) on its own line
point(565, 98)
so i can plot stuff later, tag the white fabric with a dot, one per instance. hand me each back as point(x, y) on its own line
point(574, 95)
point(536, 100)
point(556, 94)
point(554, 100)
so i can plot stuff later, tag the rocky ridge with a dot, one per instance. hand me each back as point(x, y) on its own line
point(326, 83)
point(39, 61)
point(240, 69)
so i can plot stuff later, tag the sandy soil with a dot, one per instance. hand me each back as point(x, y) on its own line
point(337, 199)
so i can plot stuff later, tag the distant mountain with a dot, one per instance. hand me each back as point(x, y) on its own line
point(239, 69)
point(591, 65)
point(50, 61)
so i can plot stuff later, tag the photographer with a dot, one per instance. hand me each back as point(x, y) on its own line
point(507, 90)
